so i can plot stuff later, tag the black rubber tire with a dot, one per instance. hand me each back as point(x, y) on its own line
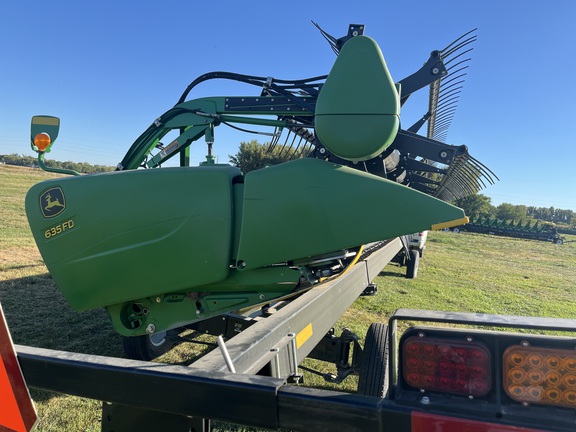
point(559, 241)
point(147, 347)
point(373, 377)
point(412, 264)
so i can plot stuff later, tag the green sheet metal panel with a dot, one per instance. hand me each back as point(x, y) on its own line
point(357, 112)
point(114, 237)
point(309, 207)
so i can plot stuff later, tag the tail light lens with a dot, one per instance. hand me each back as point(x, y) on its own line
point(540, 375)
point(448, 366)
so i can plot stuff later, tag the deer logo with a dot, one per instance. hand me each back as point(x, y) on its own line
point(52, 202)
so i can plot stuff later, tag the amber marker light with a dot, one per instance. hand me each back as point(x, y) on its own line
point(447, 366)
point(42, 141)
point(536, 375)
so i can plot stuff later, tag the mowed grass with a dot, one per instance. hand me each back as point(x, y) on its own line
point(459, 272)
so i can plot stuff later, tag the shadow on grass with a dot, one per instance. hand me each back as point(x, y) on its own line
point(17, 267)
point(39, 316)
point(391, 274)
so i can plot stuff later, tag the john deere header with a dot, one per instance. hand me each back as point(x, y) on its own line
point(163, 247)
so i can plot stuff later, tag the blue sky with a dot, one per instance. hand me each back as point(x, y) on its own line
point(109, 68)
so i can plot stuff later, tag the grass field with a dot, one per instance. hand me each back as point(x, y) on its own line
point(459, 272)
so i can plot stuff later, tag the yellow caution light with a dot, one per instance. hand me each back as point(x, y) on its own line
point(537, 375)
point(42, 141)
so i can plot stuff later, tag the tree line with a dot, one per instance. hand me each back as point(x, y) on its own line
point(480, 206)
point(31, 161)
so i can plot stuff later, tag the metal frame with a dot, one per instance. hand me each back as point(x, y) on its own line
point(146, 396)
point(287, 336)
point(255, 401)
point(279, 341)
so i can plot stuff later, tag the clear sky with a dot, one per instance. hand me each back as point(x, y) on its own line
point(109, 68)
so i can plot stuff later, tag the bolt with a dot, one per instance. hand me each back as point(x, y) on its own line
point(262, 296)
point(158, 300)
point(468, 339)
point(525, 344)
point(322, 150)
point(354, 33)
point(421, 334)
point(150, 329)
point(425, 400)
point(443, 154)
point(435, 71)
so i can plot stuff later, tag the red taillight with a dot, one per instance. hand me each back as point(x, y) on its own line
point(540, 375)
point(449, 366)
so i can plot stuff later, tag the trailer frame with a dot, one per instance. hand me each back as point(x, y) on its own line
point(151, 396)
point(274, 344)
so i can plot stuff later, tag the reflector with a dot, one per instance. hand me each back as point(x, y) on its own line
point(450, 366)
point(42, 141)
point(540, 375)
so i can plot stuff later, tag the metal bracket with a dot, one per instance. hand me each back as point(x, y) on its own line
point(117, 417)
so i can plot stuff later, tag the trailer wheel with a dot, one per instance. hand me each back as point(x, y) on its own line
point(559, 241)
point(147, 347)
point(412, 264)
point(373, 377)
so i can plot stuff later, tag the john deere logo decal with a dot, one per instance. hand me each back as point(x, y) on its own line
point(52, 202)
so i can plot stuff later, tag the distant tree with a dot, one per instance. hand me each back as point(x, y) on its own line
point(564, 216)
point(551, 214)
point(253, 155)
point(507, 211)
point(30, 161)
point(14, 159)
point(476, 206)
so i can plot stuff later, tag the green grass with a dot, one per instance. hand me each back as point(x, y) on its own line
point(459, 272)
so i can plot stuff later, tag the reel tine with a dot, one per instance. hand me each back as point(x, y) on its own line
point(448, 88)
point(450, 48)
point(331, 39)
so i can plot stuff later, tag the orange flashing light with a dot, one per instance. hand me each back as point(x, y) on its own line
point(42, 141)
point(448, 366)
point(540, 375)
